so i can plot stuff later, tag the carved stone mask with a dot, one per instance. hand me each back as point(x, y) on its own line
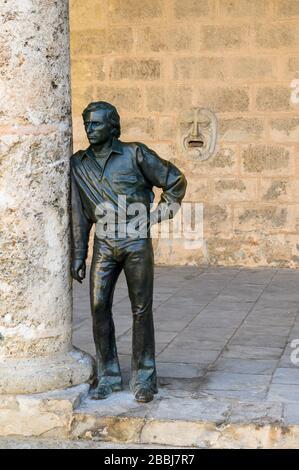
point(199, 134)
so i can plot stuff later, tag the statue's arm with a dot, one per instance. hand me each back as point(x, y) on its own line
point(163, 174)
point(80, 229)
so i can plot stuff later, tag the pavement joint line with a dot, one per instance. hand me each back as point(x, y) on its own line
point(154, 309)
point(262, 300)
point(199, 312)
point(284, 350)
point(244, 320)
point(179, 289)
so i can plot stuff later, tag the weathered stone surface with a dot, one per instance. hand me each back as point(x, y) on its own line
point(235, 189)
point(32, 58)
point(227, 395)
point(217, 218)
point(264, 218)
point(91, 12)
point(198, 191)
point(62, 370)
point(46, 415)
point(161, 99)
point(224, 99)
point(262, 158)
point(235, 8)
point(293, 65)
point(224, 37)
point(84, 70)
point(244, 366)
point(288, 8)
point(250, 91)
point(286, 376)
point(273, 99)
point(130, 10)
point(155, 99)
point(124, 98)
point(130, 69)
point(101, 41)
point(35, 145)
point(88, 42)
point(138, 128)
point(249, 68)
point(284, 393)
point(284, 130)
point(223, 162)
point(196, 68)
point(240, 129)
point(279, 189)
point(83, 95)
point(153, 39)
point(275, 35)
point(235, 381)
point(164, 149)
point(191, 8)
point(167, 127)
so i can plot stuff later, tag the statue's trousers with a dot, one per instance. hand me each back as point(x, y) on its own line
point(136, 257)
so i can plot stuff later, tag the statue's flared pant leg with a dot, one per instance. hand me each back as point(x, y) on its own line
point(104, 273)
point(139, 271)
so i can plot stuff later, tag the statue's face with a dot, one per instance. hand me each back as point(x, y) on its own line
point(97, 127)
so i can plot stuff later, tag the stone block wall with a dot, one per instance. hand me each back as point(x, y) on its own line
point(155, 59)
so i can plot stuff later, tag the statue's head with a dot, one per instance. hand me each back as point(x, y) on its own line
point(101, 121)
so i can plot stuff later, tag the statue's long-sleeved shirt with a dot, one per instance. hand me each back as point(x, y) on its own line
point(130, 170)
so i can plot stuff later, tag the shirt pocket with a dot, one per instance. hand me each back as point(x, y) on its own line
point(125, 183)
point(125, 178)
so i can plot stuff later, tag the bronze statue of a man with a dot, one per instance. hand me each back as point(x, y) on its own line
point(107, 170)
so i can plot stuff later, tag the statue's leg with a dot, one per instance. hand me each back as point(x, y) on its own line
point(104, 273)
point(139, 271)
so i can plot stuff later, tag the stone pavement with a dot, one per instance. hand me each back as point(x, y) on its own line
point(33, 444)
point(223, 339)
point(226, 378)
point(219, 331)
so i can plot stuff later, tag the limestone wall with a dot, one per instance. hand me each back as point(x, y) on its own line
point(156, 58)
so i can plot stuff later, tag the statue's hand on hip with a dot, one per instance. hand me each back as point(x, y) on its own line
point(78, 270)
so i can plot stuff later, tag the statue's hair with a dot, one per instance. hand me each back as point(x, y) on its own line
point(112, 115)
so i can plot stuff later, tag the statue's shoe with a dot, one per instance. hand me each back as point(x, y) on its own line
point(103, 391)
point(144, 394)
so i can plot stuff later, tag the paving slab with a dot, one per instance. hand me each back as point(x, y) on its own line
point(223, 358)
point(285, 393)
point(199, 356)
point(235, 381)
point(291, 413)
point(180, 370)
point(246, 338)
point(286, 376)
point(252, 352)
point(246, 366)
point(53, 444)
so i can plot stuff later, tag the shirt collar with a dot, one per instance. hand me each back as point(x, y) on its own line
point(116, 147)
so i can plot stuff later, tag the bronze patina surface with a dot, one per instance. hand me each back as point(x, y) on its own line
point(100, 175)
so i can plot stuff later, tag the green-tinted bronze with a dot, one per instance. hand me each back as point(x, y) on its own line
point(100, 174)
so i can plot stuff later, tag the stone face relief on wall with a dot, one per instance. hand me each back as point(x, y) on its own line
point(237, 58)
point(198, 134)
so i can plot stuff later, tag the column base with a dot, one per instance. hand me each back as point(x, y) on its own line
point(37, 375)
point(46, 415)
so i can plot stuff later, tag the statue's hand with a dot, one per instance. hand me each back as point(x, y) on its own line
point(77, 266)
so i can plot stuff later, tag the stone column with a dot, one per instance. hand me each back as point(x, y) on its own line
point(35, 146)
